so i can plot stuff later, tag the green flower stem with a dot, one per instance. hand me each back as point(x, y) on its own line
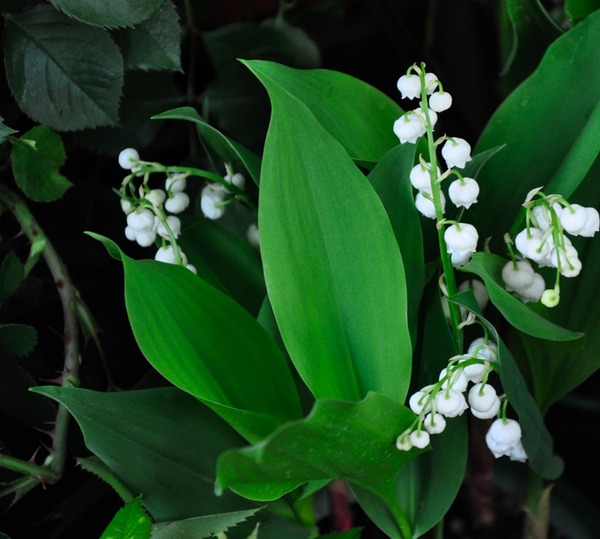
point(55, 463)
point(27, 468)
point(449, 277)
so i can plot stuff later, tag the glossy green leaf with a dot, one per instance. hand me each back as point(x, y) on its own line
point(332, 266)
point(206, 344)
point(518, 314)
point(533, 30)
point(47, 57)
point(390, 180)
point(36, 165)
point(357, 115)
point(153, 44)
point(109, 13)
point(557, 144)
point(12, 274)
point(363, 432)
point(201, 527)
point(536, 438)
point(219, 148)
point(229, 262)
point(130, 522)
point(163, 431)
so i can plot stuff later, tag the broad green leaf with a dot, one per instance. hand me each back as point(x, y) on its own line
point(518, 314)
point(536, 438)
point(533, 30)
point(36, 165)
point(363, 432)
point(354, 533)
point(109, 13)
point(577, 10)
point(11, 275)
point(17, 339)
point(357, 115)
point(130, 522)
point(547, 143)
point(219, 148)
point(231, 263)
point(206, 344)
point(153, 44)
point(160, 430)
point(201, 527)
point(332, 266)
point(5, 131)
point(390, 180)
point(50, 72)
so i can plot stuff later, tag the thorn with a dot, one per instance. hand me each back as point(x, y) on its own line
point(32, 458)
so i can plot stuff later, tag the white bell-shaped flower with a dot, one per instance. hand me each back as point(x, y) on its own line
point(517, 275)
point(450, 403)
point(175, 183)
point(479, 291)
point(173, 223)
point(212, 206)
point(573, 219)
point(409, 127)
point(409, 86)
point(456, 152)
point(483, 349)
point(126, 206)
point(237, 179)
point(128, 158)
point(141, 219)
point(420, 178)
point(156, 197)
point(543, 214)
point(130, 233)
point(420, 402)
point(440, 101)
point(456, 380)
point(461, 238)
point(502, 436)
point(177, 202)
point(434, 423)
point(166, 255)
point(431, 82)
point(425, 205)
point(533, 292)
point(145, 237)
point(460, 258)
point(570, 265)
point(518, 453)
point(433, 117)
point(463, 192)
point(403, 442)
point(482, 397)
point(592, 225)
point(533, 244)
point(419, 439)
point(253, 235)
point(492, 411)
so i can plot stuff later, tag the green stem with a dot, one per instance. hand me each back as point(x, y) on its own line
point(27, 468)
point(449, 277)
point(55, 463)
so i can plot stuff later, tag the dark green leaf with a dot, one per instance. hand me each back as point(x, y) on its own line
point(130, 522)
point(557, 144)
point(109, 13)
point(11, 275)
point(162, 430)
point(17, 339)
point(533, 30)
point(577, 10)
point(36, 167)
point(50, 72)
point(154, 44)
point(219, 148)
point(332, 266)
point(518, 314)
point(355, 533)
point(233, 266)
point(363, 432)
point(206, 344)
point(5, 131)
point(97, 467)
point(357, 115)
point(201, 527)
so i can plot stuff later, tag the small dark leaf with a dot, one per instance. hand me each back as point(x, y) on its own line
point(153, 44)
point(36, 166)
point(17, 339)
point(5, 131)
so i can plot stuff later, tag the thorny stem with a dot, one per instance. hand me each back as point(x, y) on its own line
point(54, 465)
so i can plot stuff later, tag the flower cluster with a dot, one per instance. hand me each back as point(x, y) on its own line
point(426, 177)
point(152, 213)
point(446, 399)
point(544, 241)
